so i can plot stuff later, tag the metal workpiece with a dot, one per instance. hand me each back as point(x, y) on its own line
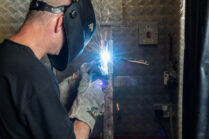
point(106, 41)
point(143, 62)
point(136, 61)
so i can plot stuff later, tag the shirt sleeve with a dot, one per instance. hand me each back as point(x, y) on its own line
point(46, 116)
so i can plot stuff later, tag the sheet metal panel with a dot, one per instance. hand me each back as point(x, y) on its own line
point(125, 36)
point(124, 16)
point(12, 15)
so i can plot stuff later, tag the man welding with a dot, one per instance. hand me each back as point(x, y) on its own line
point(30, 106)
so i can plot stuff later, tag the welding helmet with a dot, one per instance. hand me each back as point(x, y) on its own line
point(79, 27)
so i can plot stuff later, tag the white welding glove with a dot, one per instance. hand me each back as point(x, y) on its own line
point(67, 88)
point(89, 103)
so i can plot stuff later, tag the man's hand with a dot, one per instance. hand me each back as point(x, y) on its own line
point(86, 67)
point(68, 88)
point(89, 103)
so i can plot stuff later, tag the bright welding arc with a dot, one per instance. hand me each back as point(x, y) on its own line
point(105, 58)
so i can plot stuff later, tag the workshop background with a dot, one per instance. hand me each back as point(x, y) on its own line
point(141, 92)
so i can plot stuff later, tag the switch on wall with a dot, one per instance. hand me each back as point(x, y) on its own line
point(148, 33)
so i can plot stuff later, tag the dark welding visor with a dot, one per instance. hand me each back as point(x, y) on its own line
point(79, 27)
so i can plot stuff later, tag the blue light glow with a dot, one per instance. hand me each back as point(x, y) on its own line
point(105, 59)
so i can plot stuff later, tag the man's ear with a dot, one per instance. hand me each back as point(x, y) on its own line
point(59, 24)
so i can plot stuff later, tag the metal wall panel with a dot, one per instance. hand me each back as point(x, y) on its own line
point(136, 99)
point(125, 36)
point(124, 16)
point(108, 12)
point(12, 15)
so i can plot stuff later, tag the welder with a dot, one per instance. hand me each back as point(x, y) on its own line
point(30, 106)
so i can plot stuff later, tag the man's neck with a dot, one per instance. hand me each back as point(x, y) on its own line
point(32, 37)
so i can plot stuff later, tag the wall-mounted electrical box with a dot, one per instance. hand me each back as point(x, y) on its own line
point(148, 33)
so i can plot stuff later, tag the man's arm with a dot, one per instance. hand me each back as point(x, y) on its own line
point(81, 130)
point(88, 104)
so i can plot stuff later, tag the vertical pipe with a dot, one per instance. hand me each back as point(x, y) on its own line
point(108, 125)
point(181, 68)
point(108, 114)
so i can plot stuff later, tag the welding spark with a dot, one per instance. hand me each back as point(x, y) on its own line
point(117, 107)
